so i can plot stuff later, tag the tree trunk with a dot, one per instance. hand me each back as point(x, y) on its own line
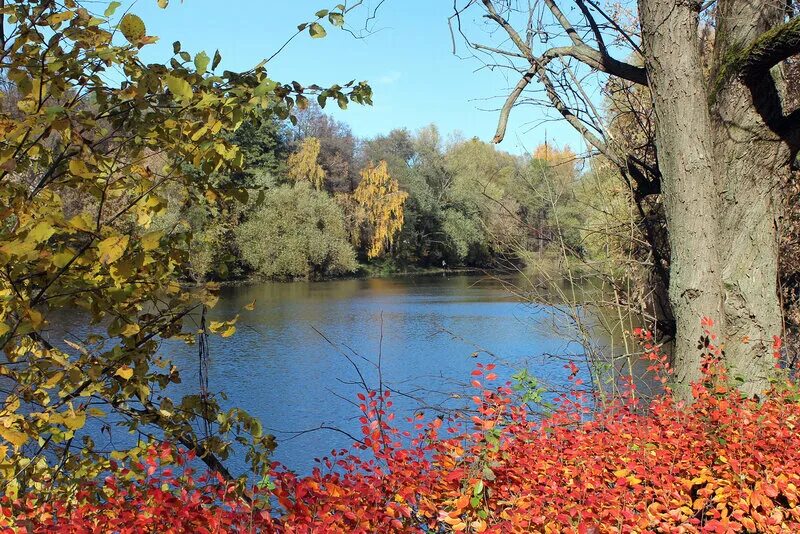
point(751, 160)
point(722, 159)
point(685, 142)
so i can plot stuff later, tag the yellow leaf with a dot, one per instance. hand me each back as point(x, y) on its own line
point(199, 133)
point(41, 232)
point(58, 18)
point(251, 306)
point(81, 222)
point(479, 525)
point(36, 318)
point(124, 372)
point(151, 240)
point(132, 27)
point(60, 259)
point(78, 168)
point(4, 329)
point(53, 380)
point(131, 329)
point(11, 404)
point(75, 421)
point(210, 299)
point(228, 332)
point(179, 88)
point(14, 437)
point(112, 248)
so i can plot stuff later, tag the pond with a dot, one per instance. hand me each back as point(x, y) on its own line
point(292, 362)
point(288, 362)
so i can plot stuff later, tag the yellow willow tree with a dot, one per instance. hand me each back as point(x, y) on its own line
point(303, 164)
point(380, 196)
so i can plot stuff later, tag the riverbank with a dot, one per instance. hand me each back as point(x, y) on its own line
point(365, 271)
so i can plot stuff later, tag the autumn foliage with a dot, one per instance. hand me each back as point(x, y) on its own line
point(380, 196)
point(721, 464)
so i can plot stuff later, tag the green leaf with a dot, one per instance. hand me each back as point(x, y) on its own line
point(321, 13)
point(217, 59)
point(266, 86)
point(163, 3)
point(179, 88)
point(201, 62)
point(176, 47)
point(132, 27)
point(317, 31)
point(112, 7)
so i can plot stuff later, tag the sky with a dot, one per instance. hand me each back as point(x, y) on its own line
point(407, 59)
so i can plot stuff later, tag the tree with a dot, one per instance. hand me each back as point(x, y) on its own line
point(296, 232)
point(303, 163)
point(264, 145)
point(724, 142)
point(479, 176)
point(383, 201)
point(337, 147)
point(421, 240)
point(92, 140)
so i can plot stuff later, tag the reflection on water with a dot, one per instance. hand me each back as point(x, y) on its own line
point(287, 365)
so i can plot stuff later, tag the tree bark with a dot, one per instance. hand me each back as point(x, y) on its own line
point(751, 159)
point(684, 139)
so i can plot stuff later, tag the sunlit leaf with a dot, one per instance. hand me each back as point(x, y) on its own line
point(317, 31)
point(112, 248)
point(132, 27)
point(124, 372)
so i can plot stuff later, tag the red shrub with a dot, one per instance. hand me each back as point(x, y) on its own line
point(721, 464)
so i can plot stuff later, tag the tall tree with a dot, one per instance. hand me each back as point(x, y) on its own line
point(337, 147)
point(383, 201)
point(303, 165)
point(724, 140)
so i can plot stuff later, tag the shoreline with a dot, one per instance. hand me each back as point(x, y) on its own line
point(361, 274)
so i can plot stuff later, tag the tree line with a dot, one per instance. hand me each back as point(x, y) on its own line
point(321, 202)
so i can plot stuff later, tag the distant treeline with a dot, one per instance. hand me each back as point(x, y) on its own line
point(322, 203)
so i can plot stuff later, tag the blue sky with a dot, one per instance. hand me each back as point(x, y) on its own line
point(409, 62)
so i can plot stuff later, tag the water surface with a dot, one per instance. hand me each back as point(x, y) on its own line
point(287, 362)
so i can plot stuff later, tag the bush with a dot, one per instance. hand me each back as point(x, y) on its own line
point(722, 464)
point(297, 232)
